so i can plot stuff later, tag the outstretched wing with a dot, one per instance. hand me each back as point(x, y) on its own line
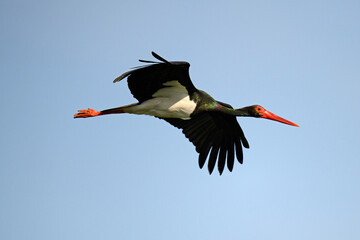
point(144, 81)
point(217, 132)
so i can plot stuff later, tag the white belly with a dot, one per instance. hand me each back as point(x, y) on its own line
point(173, 101)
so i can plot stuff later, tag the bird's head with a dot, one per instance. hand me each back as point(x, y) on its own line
point(260, 112)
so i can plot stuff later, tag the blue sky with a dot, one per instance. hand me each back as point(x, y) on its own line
point(136, 177)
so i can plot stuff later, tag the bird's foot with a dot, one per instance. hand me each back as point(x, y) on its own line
point(86, 113)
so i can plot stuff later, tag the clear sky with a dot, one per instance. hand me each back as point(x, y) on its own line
point(136, 177)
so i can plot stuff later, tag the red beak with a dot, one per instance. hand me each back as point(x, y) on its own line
point(271, 116)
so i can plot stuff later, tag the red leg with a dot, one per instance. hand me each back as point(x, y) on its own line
point(87, 113)
point(92, 113)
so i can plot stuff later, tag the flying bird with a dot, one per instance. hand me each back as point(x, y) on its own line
point(164, 90)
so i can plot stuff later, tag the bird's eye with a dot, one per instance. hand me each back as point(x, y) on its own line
point(259, 108)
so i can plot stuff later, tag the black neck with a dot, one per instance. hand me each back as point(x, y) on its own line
point(240, 112)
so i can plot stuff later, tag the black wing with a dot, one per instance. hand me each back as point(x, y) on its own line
point(217, 132)
point(144, 81)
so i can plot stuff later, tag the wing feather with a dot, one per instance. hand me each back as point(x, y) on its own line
point(222, 156)
point(230, 154)
point(214, 133)
point(144, 81)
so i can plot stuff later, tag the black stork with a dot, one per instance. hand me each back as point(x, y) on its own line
point(164, 90)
